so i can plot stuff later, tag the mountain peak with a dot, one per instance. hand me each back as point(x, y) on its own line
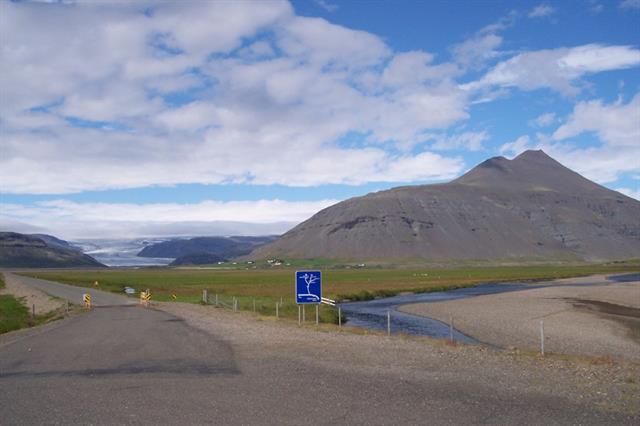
point(533, 154)
point(532, 169)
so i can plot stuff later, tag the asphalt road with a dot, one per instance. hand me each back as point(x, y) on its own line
point(131, 365)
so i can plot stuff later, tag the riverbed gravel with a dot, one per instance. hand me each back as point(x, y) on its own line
point(609, 385)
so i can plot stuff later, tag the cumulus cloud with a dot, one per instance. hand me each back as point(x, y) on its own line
point(558, 69)
point(104, 220)
point(210, 92)
point(616, 124)
point(517, 146)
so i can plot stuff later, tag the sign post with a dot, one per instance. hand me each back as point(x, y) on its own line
point(308, 287)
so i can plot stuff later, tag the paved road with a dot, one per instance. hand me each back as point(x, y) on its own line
point(72, 293)
point(131, 365)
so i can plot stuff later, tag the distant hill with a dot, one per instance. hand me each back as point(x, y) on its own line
point(40, 251)
point(531, 207)
point(198, 259)
point(204, 249)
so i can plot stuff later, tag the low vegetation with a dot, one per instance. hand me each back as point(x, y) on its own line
point(275, 285)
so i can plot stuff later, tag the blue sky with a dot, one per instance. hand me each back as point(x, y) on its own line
point(173, 118)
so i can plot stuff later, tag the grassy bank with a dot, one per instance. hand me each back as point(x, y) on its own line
point(267, 287)
point(14, 314)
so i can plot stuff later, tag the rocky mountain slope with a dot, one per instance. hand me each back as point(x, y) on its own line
point(531, 207)
point(40, 251)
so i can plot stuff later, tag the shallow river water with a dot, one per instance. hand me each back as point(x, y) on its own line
point(372, 314)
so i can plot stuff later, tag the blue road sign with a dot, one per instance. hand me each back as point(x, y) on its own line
point(308, 287)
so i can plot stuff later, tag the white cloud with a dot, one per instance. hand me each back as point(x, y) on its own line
point(269, 96)
point(104, 220)
point(615, 124)
point(543, 120)
point(633, 193)
point(559, 69)
point(517, 146)
point(541, 11)
point(471, 141)
point(630, 4)
point(476, 51)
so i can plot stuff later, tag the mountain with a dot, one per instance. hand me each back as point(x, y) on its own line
point(40, 251)
point(222, 247)
point(531, 207)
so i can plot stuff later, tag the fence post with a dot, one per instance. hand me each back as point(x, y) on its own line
point(216, 299)
point(542, 337)
point(277, 312)
point(33, 311)
point(67, 307)
point(388, 323)
point(317, 314)
point(204, 297)
point(254, 304)
point(339, 317)
point(451, 328)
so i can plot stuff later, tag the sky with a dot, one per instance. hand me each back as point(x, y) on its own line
point(175, 118)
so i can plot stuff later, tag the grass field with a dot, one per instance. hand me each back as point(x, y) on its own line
point(267, 287)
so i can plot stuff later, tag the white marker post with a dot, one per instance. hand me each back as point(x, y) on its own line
point(277, 312)
point(388, 323)
point(542, 337)
point(339, 317)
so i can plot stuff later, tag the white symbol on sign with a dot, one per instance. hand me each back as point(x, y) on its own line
point(308, 280)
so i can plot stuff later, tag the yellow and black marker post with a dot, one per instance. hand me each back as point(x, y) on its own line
point(145, 298)
point(86, 299)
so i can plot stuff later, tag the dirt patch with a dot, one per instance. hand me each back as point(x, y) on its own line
point(627, 316)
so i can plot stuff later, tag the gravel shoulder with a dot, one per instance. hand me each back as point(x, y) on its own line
point(507, 376)
point(581, 318)
point(30, 296)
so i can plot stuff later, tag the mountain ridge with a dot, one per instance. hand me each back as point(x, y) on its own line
point(41, 251)
point(528, 207)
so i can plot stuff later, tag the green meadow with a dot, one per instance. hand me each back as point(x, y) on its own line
point(266, 287)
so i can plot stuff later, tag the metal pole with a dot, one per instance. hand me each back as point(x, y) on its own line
point(339, 317)
point(542, 337)
point(299, 316)
point(216, 299)
point(277, 312)
point(388, 323)
point(451, 328)
point(303, 314)
point(317, 314)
